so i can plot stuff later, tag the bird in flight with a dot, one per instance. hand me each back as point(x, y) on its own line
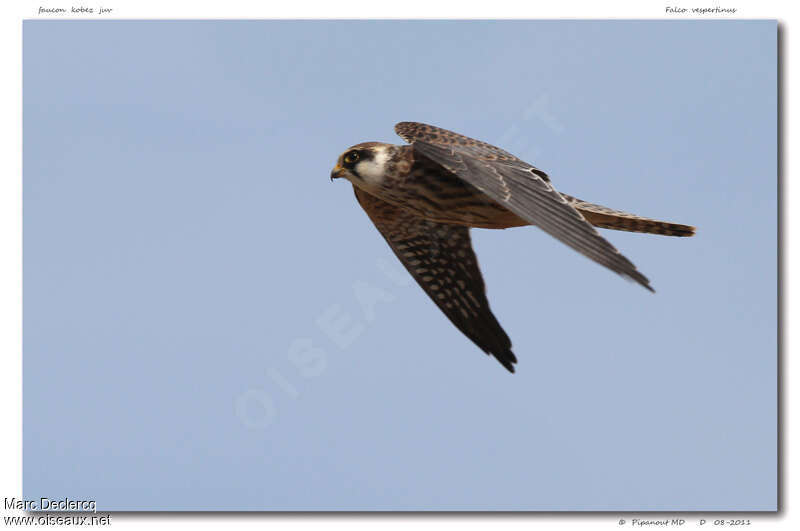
point(424, 197)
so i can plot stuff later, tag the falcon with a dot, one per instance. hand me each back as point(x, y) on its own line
point(425, 196)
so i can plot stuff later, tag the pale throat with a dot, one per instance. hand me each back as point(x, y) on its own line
point(372, 172)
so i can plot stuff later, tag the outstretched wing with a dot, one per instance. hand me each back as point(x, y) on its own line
point(518, 186)
point(441, 260)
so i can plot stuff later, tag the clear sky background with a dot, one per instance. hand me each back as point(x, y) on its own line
point(195, 332)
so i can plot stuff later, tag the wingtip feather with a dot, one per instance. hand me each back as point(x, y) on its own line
point(507, 360)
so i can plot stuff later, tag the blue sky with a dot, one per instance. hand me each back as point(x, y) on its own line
point(195, 335)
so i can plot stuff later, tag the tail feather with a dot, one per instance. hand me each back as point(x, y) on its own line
point(608, 218)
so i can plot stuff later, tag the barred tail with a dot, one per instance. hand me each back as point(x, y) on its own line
point(608, 218)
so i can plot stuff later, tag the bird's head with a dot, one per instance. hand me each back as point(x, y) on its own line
point(365, 165)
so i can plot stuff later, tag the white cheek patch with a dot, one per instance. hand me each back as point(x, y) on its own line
point(373, 171)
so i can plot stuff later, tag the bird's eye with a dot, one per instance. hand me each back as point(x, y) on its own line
point(351, 158)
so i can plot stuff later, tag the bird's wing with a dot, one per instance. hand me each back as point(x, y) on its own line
point(521, 188)
point(440, 258)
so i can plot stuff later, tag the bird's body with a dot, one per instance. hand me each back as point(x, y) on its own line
point(425, 197)
point(413, 182)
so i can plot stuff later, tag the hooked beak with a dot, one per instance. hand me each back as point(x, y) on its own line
point(336, 172)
